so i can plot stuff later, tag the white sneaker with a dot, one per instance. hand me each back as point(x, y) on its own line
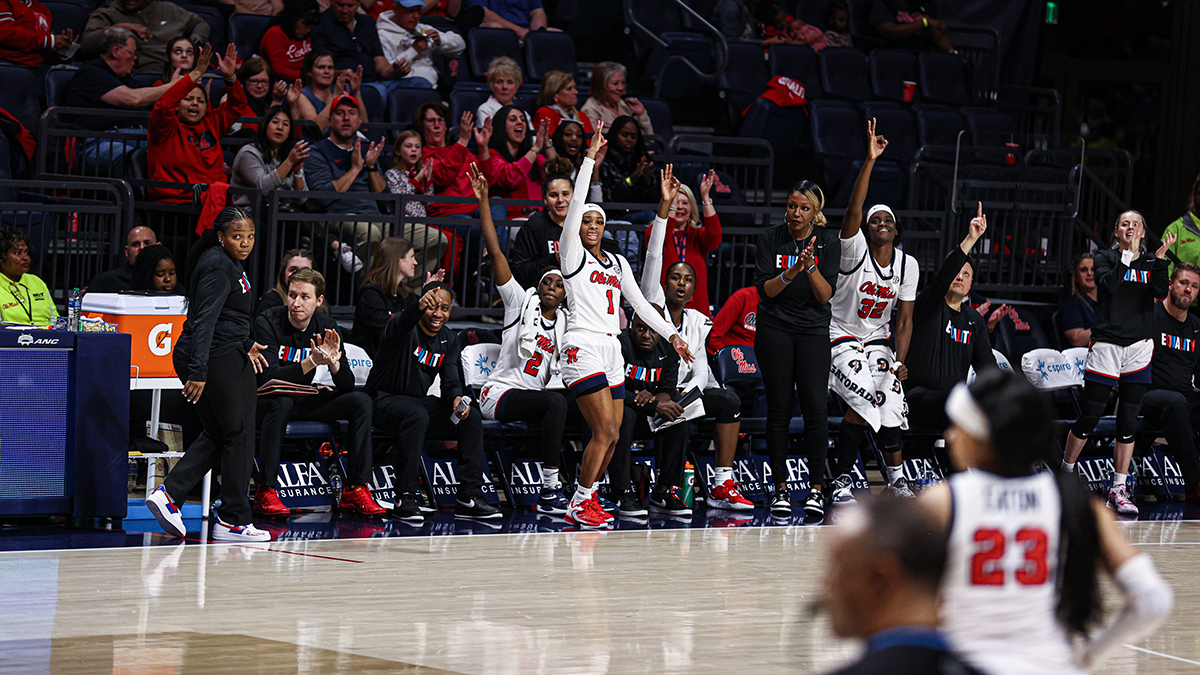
point(222, 531)
point(1118, 498)
point(350, 262)
point(165, 512)
point(841, 493)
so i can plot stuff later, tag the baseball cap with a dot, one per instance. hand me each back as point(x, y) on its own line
point(408, 3)
point(343, 99)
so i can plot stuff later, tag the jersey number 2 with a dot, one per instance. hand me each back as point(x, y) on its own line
point(985, 566)
point(871, 308)
point(534, 362)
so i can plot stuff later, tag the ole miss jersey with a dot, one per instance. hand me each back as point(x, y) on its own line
point(867, 293)
point(512, 370)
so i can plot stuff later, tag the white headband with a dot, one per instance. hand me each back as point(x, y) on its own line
point(548, 273)
point(880, 207)
point(595, 207)
point(964, 411)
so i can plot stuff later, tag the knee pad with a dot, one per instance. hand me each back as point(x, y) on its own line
point(888, 439)
point(724, 406)
point(1084, 426)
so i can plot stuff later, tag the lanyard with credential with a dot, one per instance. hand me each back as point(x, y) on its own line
point(15, 288)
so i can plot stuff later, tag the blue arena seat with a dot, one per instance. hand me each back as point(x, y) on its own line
point(990, 131)
point(939, 126)
point(546, 51)
point(889, 69)
point(744, 77)
point(896, 124)
point(782, 127)
point(216, 23)
point(466, 98)
point(798, 62)
point(56, 83)
point(485, 44)
point(1014, 338)
point(20, 95)
point(844, 74)
point(142, 80)
point(403, 103)
point(67, 15)
point(246, 31)
point(944, 79)
point(838, 139)
point(373, 102)
point(660, 115)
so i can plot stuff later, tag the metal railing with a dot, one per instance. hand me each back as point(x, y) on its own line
point(722, 45)
point(749, 161)
point(981, 48)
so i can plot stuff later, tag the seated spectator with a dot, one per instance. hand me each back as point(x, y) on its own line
point(1078, 312)
point(908, 25)
point(298, 340)
point(504, 78)
point(294, 260)
point(275, 159)
point(535, 247)
point(287, 41)
point(24, 298)
point(414, 348)
point(354, 43)
point(607, 101)
point(691, 238)
point(25, 35)
point(519, 16)
point(258, 7)
point(181, 60)
point(409, 175)
point(511, 160)
point(121, 279)
point(567, 151)
point(154, 22)
point(627, 173)
point(735, 19)
point(1187, 230)
point(557, 101)
point(450, 162)
point(385, 291)
point(405, 39)
point(154, 270)
point(449, 15)
point(736, 323)
point(340, 163)
point(185, 135)
point(323, 83)
point(262, 89)
point(779, 27)
point(837, 17)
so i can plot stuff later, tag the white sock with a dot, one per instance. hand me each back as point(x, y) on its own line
point(1069, 467)
point(894, 473)
point(722, 474)
point(583, 494)
point(549, 477)
point(1119, 478)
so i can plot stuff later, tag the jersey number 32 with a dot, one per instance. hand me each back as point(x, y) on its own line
point(986, 569)
point(871, 308)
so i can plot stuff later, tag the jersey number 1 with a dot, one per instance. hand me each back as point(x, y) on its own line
point(985, 564)
point(534, 362)
point(871, 308)
point(611, 309)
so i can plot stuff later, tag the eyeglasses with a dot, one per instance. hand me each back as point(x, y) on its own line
point(259, 80)
point(132, 52)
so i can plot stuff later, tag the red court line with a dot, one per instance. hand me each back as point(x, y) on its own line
point(273, 550)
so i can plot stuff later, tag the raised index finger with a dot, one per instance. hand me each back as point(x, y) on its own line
point(979, 213)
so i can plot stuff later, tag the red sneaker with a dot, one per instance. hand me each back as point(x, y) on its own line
point(600, 507)
point(727, 496)
point(266, 503)
point(358, 500)
point(587, 515)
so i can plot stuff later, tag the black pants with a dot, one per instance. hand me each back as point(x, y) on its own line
point(1175, 412)
point(927, 408)
point(721, 405)
point(226, 410)
point(1095, 399)
point(412, 418)
point(795, 363)
point(547, 408)
point(669, 447)
point(327, 406)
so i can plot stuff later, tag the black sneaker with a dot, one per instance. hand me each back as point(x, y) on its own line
point(814, 506)
point(607, 504)
point(552, 501)
point(781, 501)
point(418, 498)
point(406, 509)
point(669, 503)
point(475, 507)
point(631, 507)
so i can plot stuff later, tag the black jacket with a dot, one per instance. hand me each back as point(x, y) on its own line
point(372, 313)
point(218, 313)
point(287, 347)
point(535, 248)
point(795, 309)
point(408, 359)
point(1174, 365)
point(1126, 296)
point(113, 281)
point(656, 371)
point(945, 342)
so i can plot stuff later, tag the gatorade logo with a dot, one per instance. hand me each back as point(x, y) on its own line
point(159, 339)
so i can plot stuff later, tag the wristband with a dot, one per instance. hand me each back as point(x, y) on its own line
point(784, 279)
point(298, 174)
point(707, 203)
point(925, 20)
point(372, 169)
point(810, 269)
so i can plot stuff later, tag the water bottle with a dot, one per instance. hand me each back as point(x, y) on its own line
point(74, 305)
point(132, 476)
point(689, 487)
point(335, 481)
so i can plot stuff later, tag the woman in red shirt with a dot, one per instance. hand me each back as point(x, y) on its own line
point(285, 43)
point(511, 160)
point(450, 162)
point(557, 101)
point(691, 239)
point(736, 323)
point(185, 135)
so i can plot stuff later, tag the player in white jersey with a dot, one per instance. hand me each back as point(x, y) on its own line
point(534, 323)
point(723, 406)
point(875, 279)
point(1024, 544)
point(592, 365)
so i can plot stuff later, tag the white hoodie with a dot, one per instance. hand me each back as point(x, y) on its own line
point(398, 44)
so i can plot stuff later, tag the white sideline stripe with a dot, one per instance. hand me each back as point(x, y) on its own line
point(1165, 656)
point(1169, 543)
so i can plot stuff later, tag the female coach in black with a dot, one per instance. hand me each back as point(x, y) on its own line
point(797, 267)
point(217, 360)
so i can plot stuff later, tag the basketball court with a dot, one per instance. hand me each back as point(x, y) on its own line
point(340, 595)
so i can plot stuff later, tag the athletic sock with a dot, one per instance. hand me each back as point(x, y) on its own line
point(1119, 478)
point(894, 473)
point(549, 477)
point(1069, 467)
point(722, 474)
point(583, 494)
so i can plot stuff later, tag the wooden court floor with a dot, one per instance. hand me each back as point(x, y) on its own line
point(655, 601)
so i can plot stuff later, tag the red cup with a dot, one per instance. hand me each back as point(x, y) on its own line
point(910, 88)
point(1010, 157)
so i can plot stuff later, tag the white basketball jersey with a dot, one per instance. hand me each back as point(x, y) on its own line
point(867, 294)
point(999, 593)
point(512, 370)
point(594, 292)
point(694, 331)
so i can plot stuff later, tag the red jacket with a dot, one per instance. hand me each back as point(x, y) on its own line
point(734, 324)
point(25, 36)
point(190, 153)
point(513, 180)
point(284, 54)
point(692, 246)
point(550, 113)
point(450, 179)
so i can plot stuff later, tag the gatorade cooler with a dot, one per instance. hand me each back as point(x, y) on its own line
point(154, 321)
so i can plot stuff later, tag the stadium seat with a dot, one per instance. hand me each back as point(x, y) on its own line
point(660, 116)
point(526, 101)
point(216, 87)
point(889, 69)
point(844, 74)
point(246, 31)
point(485, 44)
point(744, 77)
point(56, 83)
point(838, 139)
point(798, 62)
point(676, 80)
point(990, 131)
point(373, 103)
point(403, 103)
point(1016, 338)
point(895, 123)
point(466, 98)
point(67, 15)
point(944, 79)
point(216, 23)
point(19, 95)
point(143, 80)
point(783, 128)
point(939, 126)
point(546, 51)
